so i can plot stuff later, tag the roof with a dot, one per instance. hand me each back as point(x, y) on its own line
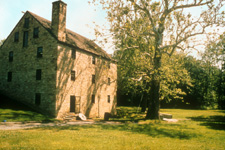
point(74, 39)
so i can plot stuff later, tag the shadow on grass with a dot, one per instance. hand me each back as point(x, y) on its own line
point(14, 111)
point(212, 122)
point(153, 129)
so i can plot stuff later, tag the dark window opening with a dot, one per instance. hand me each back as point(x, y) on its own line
point(9, 77)
point(109, 81)
point(37, 98)
point(38, 74)
point(72, 103)
point(16, 38)
point(93, 98)
point(93, 59)
point(73, 75)
point(26, 23)
point(73, 54)
point(93, 79)
point(25, 39)
point(39, 52)
point(109, 65)
point(11, 56)
point(36, 33)
point(108, 98)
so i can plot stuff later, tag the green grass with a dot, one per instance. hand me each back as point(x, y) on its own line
point(196, 130)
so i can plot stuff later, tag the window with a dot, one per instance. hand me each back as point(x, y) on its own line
point(11, 56)
point(39, 52)
point(37, 98)
point(26, 23)
point(108, 98)
point(16, 37)
point(108, 81)
point(35, 33)
point(93, 98)
point(38, 74)
point(73, 55)
point(109, 65)
point(93, 59)
point(73, 75)
point(9, 77)
point(93, 79)
point(25, 39)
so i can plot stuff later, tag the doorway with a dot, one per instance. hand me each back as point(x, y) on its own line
point(75, 104)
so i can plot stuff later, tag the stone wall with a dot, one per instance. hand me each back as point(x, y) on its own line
point(24, 85)
point(83, 88)
point(56, 64)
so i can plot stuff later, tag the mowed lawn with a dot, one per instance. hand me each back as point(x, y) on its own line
point(195, 130)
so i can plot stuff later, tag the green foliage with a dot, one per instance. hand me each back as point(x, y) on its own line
point(205, 80)
point(155, 29)
point(132, 77)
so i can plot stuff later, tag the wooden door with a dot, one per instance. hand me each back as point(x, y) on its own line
point(77, 105)
point(72, 103)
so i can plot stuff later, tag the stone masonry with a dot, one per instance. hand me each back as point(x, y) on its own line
point(55, 70)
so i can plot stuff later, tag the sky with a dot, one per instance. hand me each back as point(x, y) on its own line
point(80, 15)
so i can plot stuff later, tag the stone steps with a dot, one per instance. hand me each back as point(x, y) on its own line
point(70, 117)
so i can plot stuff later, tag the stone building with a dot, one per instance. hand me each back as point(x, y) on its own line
point(56, 71)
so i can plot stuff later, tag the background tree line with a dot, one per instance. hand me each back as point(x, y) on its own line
point(186, 82)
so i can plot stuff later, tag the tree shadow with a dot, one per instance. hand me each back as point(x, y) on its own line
point(8, 103)
point(157, 130)
point(212, 122)
point(12, 110)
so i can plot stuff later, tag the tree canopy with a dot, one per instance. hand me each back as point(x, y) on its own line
point(158, 27)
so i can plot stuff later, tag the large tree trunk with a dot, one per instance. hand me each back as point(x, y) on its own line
point(153, 107)
point(144, 103)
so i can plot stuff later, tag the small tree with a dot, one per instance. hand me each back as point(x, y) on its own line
point(158, 27)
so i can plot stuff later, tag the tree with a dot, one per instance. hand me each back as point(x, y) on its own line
point(214, 55)
point(158, 27)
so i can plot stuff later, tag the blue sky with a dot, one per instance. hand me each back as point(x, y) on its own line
point(80, 15)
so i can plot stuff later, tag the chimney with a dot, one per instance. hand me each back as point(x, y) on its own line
point(59, 20)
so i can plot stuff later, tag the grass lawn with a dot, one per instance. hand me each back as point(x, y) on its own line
point(196, 129)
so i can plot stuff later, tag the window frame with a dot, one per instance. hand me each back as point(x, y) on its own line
point(73, 75)
point(93, 60)
point(9, 77)
point(26, 22)
point(25, 38)
point(109, 65)
point(108, 99)
point(37, 99)
point(73, 53)
point(40, 53)
point(36, 32)
point(92, 98)
point(109, 81)
point(93, 79)
point(16, 37)
point(11, 56)
point(38, 74)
